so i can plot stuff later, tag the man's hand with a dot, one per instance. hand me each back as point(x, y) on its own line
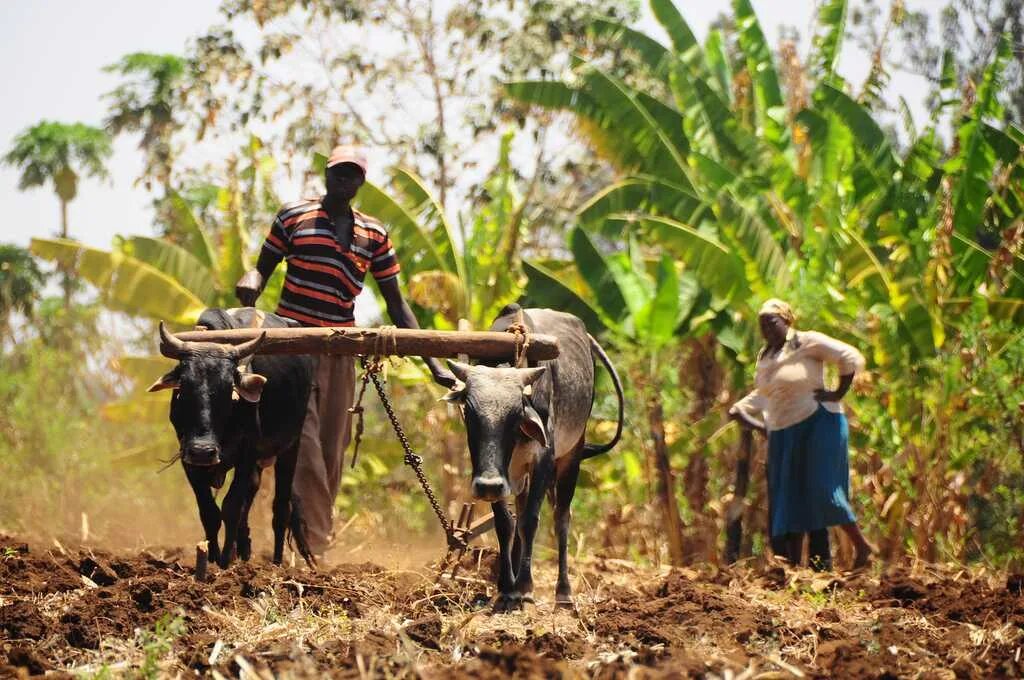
point(249, 287)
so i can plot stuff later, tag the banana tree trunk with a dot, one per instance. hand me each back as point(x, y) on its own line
point(702, 371)
point(673, 524)
point(734, 514)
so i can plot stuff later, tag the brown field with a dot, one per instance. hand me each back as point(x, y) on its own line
point(86, 612)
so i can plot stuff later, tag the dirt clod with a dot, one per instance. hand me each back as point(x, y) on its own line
point(21, 656)
point(21, 621)
point(358, 620)
point(425, 632)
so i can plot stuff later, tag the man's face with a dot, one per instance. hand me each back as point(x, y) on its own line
point(344, 180)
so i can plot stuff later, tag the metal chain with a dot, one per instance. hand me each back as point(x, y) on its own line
point(414, 461)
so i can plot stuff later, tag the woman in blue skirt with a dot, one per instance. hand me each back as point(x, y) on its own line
point(808, 464)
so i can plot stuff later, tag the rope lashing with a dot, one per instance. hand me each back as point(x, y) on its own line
point(385, 343)
point(522, 338)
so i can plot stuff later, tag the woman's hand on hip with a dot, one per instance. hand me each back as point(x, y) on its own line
point(821, 394)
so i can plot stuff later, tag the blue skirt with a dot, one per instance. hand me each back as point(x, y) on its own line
point(809, 474)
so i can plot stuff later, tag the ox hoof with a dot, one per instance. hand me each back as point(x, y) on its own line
point(507, 603)
point(565, 602)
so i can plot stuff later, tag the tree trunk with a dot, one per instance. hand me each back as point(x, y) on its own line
point(702, 371)
point(65, 274)
point(673, 524)
point(735, 511)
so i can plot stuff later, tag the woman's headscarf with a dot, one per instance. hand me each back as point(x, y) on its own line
point(776, 306)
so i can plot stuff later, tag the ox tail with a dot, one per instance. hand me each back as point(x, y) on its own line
point(297, 533)
point(591, 450)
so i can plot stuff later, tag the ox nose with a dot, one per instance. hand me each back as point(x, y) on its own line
point(490, 487)
point(201, 453)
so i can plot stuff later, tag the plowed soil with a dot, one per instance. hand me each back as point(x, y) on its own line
point(88, 612)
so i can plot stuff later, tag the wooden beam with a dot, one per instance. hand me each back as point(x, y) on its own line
point(394, 342)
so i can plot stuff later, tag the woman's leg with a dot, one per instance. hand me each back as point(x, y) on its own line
point(860, 545)
point(819, 551)
point(794, 548)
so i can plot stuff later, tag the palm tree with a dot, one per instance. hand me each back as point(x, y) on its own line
point(59, 153)
point(146, 103)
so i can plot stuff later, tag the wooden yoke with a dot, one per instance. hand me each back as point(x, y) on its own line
point(399, 341)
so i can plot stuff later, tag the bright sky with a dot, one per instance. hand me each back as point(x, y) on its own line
point(53, 52)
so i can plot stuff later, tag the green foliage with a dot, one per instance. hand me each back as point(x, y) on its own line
point(59, 453)
point(811, 203)
point(468, 272)
point(21, 283)
point(156, 644)
point(146, 102)
point(126, 283)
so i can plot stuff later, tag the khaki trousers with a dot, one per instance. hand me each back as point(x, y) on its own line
point(325, 436)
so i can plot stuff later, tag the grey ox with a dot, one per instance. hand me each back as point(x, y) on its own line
point(525, 428)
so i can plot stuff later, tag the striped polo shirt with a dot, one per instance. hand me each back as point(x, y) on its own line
point(324, 277)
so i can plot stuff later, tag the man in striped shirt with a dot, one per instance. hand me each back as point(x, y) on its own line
point(329, 248)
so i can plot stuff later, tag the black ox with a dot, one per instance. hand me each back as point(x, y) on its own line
point(231, 409)
point(525, 428)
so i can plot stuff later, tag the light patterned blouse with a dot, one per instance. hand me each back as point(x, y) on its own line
point(785, 382)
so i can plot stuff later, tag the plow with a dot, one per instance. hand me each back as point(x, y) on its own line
point(373, 346)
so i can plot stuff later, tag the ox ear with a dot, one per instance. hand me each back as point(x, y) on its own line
point(532, 426)
point(249, 386)
point(457, 394)
point(168, 381)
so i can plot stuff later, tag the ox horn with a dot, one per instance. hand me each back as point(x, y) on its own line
point(248, 348)
point(170, 346)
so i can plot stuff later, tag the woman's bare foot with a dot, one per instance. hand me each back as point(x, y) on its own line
point(865, 551)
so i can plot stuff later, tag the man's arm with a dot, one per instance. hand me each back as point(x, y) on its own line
point(249, 287)
point(402, 316)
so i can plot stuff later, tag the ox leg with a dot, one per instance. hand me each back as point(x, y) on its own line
point(233, 507)
point(244, 540)
point(504, 528)
point(285, 505)
point(517, 541)
point(209, 513)
point(566, 477)
point(540, 479)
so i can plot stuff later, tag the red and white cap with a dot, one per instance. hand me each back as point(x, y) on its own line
point(346, 153)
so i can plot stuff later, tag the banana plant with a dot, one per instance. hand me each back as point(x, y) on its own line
point(804, 196)
point(637, 303)
point(769, 193)
point(461, 268)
